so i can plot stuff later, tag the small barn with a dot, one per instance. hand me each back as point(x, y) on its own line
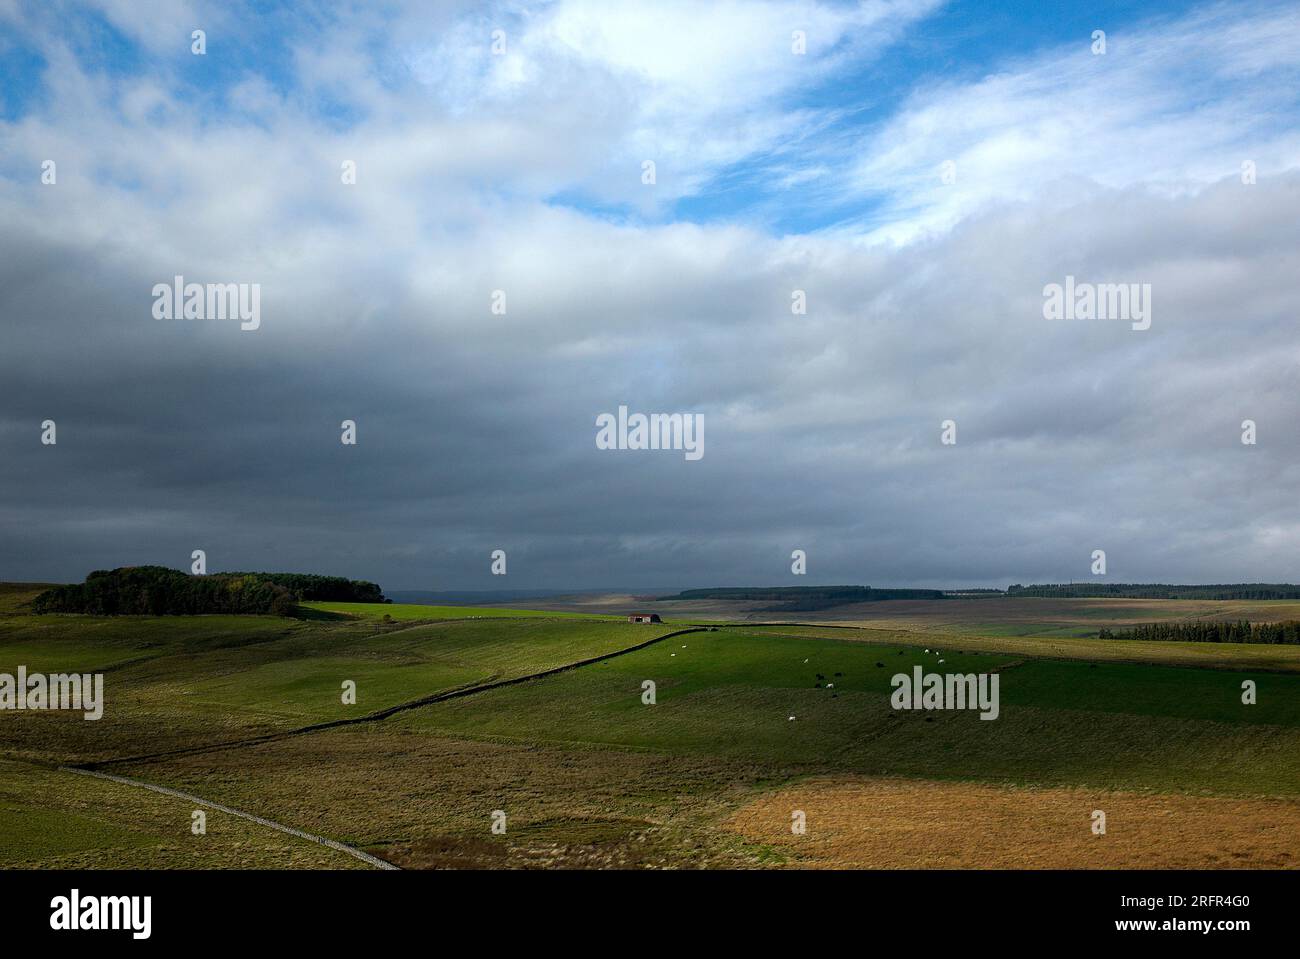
point(644, 618)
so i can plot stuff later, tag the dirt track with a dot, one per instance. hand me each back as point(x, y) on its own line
point(229, 811)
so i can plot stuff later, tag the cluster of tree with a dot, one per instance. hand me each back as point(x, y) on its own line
point(1157, 591)
point(159, 591)
point(308, 587)
point(1240, 632)
point(807, 598)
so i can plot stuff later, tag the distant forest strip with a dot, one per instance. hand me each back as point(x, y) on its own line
point(1268, 634)
point(807, 598)
point(1158, 591)
point(159, 591)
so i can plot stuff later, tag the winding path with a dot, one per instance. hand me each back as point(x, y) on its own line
point(289, 830)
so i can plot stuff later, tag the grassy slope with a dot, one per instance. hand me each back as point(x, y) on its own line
point(426, 800)
point(178, 682)
point(582, 765)
point(15, 596)
point(182, 681)
point(59, 820)
point(580, 748)
point(730, 694)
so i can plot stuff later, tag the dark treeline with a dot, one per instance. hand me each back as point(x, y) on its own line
point(807, 598)
point(159, 591)
point(1158, 591)
point(308, 587)
point(1197, 632)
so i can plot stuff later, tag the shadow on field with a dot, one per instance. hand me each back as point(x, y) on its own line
point(320, 615)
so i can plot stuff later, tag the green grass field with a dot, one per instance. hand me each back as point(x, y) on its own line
point(591, 775)
point(731, 694)
point(182, 682)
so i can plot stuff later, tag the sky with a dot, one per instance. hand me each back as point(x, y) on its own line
point(501, 268)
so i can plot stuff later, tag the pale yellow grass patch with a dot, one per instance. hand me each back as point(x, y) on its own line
point(909, 824)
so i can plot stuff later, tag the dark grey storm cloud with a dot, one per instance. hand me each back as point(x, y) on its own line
point(476, 431)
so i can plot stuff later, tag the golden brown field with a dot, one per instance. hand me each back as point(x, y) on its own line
point(910, 824)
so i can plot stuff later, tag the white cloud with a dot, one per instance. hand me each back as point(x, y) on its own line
point(1175, 105)
point(164, 26)
point(692, 86)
